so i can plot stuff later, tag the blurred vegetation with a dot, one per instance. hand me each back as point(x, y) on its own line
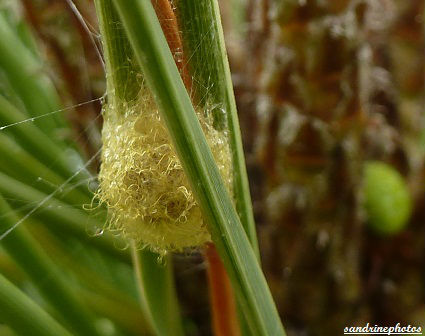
point(322, 88)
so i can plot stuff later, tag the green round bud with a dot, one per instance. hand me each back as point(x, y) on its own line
point(387, 200)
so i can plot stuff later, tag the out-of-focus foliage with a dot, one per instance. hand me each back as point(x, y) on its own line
point(322, 88)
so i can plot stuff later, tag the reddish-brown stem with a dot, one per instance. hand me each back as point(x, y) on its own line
point(169, 25)
point(224, 316)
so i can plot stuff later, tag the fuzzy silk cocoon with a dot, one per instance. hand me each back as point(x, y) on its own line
point(143, 184)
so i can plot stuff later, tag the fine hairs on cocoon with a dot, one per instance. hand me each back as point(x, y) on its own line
point(142, 182)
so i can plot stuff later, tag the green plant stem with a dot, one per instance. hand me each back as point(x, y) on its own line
point(204, 41)
point(44, 274)
point(23, 315)
point(157, 292)
point(155, 282)
point(241, 185)
point(222, 301)
point(163, 78)
point(121, 68)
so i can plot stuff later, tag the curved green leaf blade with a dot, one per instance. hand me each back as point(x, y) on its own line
point(163, 78)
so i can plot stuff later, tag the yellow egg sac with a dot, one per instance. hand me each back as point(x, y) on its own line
point(143, 184)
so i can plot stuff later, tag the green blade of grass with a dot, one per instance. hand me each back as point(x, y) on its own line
point(99, 293)
point(44, 274)
point(122, 69)
point(163, 78)
point(60, 216)
point(204, 41)
point(21, 165)
point(26, 75)
point(155, 282)
point(157, 287)
point(23, 315)
point(36, 142)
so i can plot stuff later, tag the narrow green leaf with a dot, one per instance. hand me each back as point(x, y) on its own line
point(101, 293)
point(157, 292)
point(208, 64)
point(44, 274)
point(124, 80)
point(26, 76)
point(163, 78)
point(23, 315)
point(59, 216)
point(122, 70)
point(21, 165)
point(37, 143)
point(204, 42)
